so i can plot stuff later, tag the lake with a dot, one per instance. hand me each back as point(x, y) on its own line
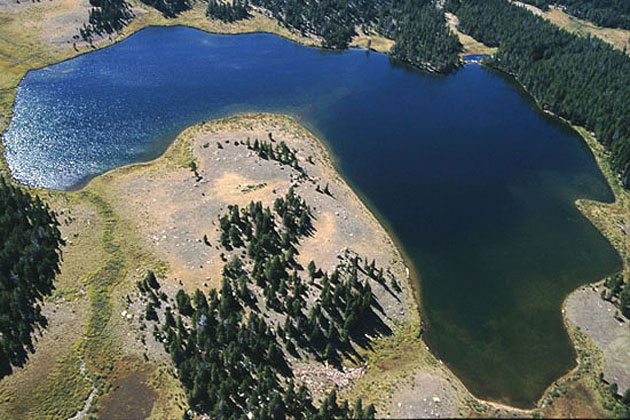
point(475, 183)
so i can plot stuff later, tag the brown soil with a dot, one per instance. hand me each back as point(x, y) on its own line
point(131, 397)
point(595, 317)
point(170, 211)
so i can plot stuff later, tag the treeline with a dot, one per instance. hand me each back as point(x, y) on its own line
point(280, 153)
point(106, 17)
point(422, 36)
point(581, 79)
point(169, 8)
point(232, 367)
point(29, 260)
point(333, 20)
point(618, 293)
point(230, 361)
point(228, 11)
point(418, 26)
point(608, 13)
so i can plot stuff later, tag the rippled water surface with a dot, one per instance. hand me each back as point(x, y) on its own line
point(476, 184)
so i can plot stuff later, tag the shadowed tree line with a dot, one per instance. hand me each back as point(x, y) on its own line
point(417, 26)
point(232, 361)
point(106, 17)
point(30, 256)
point(581, 79)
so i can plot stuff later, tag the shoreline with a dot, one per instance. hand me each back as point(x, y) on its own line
point(152, 18)
point(597, 152)
point(413, 275)
point(183, 145)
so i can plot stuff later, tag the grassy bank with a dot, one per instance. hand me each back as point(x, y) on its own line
point(25, 47)
point(619, 38)
point(582, 392)
point(470, 45)
point(392, 361)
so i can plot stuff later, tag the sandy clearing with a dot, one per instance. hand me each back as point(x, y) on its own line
point(595, 317)
point(169, 210)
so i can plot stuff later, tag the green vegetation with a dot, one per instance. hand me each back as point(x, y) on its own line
point(230, 360)
point(581, 79)
point(422, 36)
point(418, 27)
point(228, 12)
point(332, 20)
point(607, 13)
point(618, 292)
point(168, 8)
point(30, 256)
point(106, 17)
point(281, 153)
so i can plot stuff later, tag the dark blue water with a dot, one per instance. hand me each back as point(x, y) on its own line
point(476, 184)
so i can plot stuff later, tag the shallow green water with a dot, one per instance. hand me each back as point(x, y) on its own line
point(476, 184)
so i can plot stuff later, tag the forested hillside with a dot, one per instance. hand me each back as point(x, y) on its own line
point(29, 261)
point(231, 346)
point(418, 26)
point(581, 79)
point(608, 13)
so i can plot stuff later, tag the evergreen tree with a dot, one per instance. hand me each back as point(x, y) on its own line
point(30, 256)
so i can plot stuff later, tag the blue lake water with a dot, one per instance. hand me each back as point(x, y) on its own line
point(475, 183)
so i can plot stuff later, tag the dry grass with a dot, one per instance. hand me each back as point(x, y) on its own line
point(579, 394)
point(50, 386)
point(613, 219)
point(134, 200)
point(393, 361)
point(30, 38)
point(51, 390)
point(100, 258)
point(374, 41)
point(619, 38)
point(470, 44)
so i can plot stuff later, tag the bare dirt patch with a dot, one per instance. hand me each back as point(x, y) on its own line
point(131, 397)
point(595, 317)
point(174, 212)
point(428, 395)
point(470, 44)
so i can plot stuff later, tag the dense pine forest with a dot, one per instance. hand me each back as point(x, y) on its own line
point(229, 346)
point(418, 26)
point(228, 12)
point(421, 34)
point(29, 260)
point(608, 13)
point(581, 79)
